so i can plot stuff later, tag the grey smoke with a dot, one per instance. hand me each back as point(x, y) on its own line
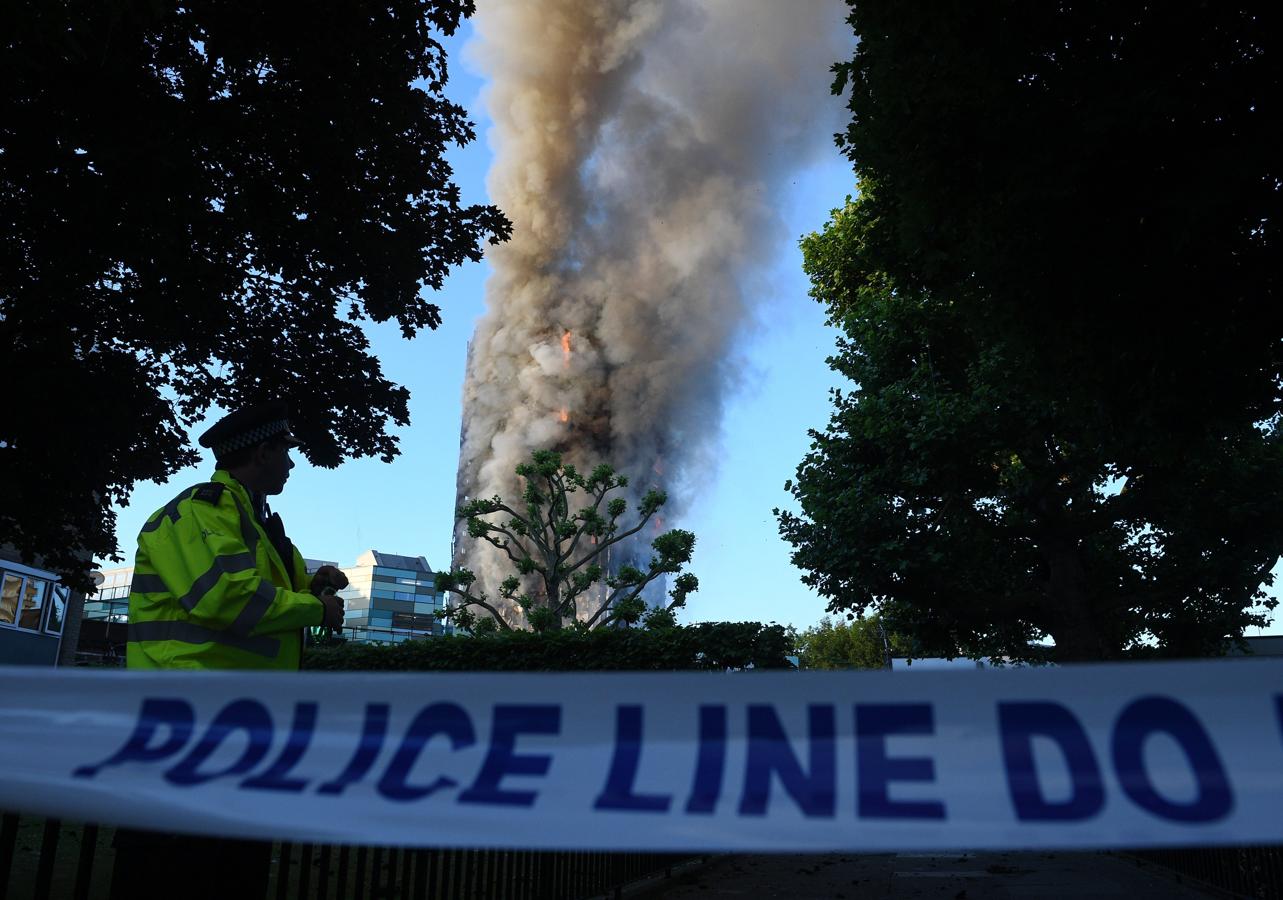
point(641, 147)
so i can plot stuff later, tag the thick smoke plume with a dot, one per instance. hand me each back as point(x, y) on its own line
point(641, 147)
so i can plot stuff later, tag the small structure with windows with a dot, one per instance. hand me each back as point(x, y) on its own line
point(390, 598)
point(33, 609)
point(104, 625)
point(111, 603)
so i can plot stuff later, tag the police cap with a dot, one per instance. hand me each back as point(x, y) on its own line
point(249, 426)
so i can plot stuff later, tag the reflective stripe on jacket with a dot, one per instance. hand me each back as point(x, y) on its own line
point(211, 592)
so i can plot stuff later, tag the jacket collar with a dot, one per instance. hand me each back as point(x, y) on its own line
point(222, 476)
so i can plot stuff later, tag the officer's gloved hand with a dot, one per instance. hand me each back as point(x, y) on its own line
point(327, 577)
point(332, 610)
point(325, 582)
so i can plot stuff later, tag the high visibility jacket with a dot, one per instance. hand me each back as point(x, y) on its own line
point(211, 592)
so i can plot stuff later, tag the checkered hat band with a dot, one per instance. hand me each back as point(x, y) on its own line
point(255, 435)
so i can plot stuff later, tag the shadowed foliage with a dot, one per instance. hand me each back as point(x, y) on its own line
point(201, 203)
point(1058, 289)
point(708, 646)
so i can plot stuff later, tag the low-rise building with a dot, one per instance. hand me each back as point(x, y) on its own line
point(390, 598)
point(33, 610)
point(111, 603)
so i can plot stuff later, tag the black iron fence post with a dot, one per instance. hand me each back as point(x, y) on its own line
point(85, 865)
point(305, 871)
point(48, 852)
point(359, 872)
point(342, 875)
point(8, 841)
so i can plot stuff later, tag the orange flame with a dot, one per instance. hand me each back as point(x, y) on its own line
point(564, 415)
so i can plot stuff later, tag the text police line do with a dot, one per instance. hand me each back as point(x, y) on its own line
point(164, 733)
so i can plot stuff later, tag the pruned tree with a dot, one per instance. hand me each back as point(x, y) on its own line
point(560, 550)
point(202, 203)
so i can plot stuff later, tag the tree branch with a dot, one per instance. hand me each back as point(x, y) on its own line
point(477, 601)
point(580, 533)
point(505, 508)
point(511, 540)
point(636, 592)
point(610, 542)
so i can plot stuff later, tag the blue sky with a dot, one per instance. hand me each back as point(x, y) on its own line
point(407, 506)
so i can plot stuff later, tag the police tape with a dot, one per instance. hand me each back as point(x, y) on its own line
point(1087, 756)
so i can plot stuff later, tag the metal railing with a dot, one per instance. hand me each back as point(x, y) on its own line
point(45, 858)
point(1241, 871)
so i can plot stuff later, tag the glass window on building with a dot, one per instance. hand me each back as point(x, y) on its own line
point(394, 573)
point(33, 604)
point(411, 621)
point(59, 594)
point(9, 592)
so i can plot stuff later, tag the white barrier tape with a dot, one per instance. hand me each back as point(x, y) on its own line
point(1091, 756)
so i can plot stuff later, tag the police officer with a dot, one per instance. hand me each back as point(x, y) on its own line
point(218, 585)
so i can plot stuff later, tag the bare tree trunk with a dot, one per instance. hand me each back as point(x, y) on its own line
point(1074, 625)
point(553, 589)
point(71, 619)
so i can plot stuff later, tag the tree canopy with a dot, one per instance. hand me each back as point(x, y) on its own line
point(567, 554)
point(1058, 292)
point(857, 643)
point(201, 204)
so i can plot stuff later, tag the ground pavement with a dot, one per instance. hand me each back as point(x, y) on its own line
point(960, 876)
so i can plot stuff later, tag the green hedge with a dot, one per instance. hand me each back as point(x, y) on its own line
point(710, 646)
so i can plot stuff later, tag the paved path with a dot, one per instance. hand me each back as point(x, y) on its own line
point(959, 876)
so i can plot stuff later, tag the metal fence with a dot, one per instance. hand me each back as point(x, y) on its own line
point(1241, 871)
point(45, 858)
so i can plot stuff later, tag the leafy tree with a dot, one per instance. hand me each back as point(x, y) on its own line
point(561, 552)
point(1059, 299)
point(201, 204)
point(857, 643)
